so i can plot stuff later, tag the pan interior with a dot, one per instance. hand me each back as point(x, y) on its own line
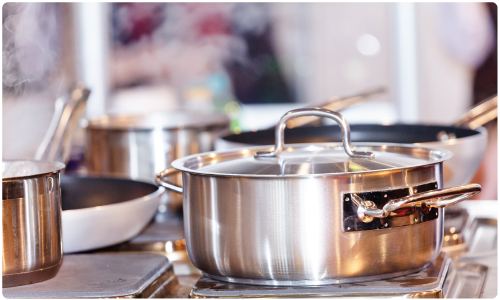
point(399, 133)
point(86, 192)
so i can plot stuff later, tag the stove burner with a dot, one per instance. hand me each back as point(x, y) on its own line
point(423, 284)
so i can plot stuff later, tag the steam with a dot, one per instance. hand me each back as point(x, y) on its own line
point(29, 43)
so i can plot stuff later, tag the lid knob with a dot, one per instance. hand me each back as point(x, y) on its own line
point(318, 112)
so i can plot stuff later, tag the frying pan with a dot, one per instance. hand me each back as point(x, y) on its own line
point(468, 142)
point(99, 212)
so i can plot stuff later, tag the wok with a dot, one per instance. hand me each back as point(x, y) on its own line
point(467, 139)
point(99, 212)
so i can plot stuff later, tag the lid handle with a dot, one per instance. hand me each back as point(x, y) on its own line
point(318, 112)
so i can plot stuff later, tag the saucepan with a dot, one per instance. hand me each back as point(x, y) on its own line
point(314, 214)
point(467, 139)
point(139, 146)
point(31, 201)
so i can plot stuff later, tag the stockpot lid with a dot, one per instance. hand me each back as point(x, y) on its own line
point(308, 159)
point(159, 120)
point(13, 169)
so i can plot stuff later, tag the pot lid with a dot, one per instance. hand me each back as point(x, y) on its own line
point(161, 120)
point(311, 159)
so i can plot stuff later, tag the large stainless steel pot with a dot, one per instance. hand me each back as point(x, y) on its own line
point(31, 221)
point(466, 139)
point(138, 147)
point(310, 214)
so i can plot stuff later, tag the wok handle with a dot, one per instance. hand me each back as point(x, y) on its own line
point(434, 198)
point(161, 180)
point(318, 112)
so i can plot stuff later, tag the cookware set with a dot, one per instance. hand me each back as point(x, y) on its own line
point(306, 213)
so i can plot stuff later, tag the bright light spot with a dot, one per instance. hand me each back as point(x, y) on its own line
point(237, 130)
point(169, 247)
point(368, 45)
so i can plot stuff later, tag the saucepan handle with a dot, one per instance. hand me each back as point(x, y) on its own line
point(161, 179)
point(435, 198)
point(318, 112)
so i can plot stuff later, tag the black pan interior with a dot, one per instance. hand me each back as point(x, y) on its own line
point(399, 133)
point(83, 192)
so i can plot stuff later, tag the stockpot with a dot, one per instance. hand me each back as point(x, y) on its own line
point(31, 221)
point(314, 214)
point(139, 146)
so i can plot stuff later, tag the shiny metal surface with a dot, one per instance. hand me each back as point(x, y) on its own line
point(337, 104)
point(318, 112)
point(434, 198)
point(480, 114)
point(138, 147)
point(428, 283)
point(56, 145)
point(283, 230)
point(31, 222)
point(310, 160)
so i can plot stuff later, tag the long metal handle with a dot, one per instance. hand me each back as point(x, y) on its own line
point(161, 179)
point(319, 112)
point(480, 114)
point(57, 141)
point(435, 198)
point(336, 104)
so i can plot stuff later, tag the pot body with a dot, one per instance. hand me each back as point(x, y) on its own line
point(141, 153)
point(31, 228)
point(291, 231)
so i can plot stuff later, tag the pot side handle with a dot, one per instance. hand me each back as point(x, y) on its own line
point(435, 198)
point(161, 180)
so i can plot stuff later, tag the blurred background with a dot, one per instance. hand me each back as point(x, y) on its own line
point(252, 61)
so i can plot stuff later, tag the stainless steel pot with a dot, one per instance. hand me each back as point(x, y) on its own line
point(466, 139)
point(310, 214)
point(138, 147)
point(31, 221)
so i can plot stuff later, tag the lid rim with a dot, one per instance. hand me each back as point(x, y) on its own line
point(179, 163)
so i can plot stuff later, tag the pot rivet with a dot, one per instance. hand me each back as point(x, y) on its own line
point(347, 199)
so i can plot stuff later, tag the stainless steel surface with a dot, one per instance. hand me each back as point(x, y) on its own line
point(337, 104)
point(433, 198)
point(111, 275)
point(468, 151)
point(251, 221)
point(138, 147)
point(56, 144)
point(480, 114)
point(316, 160)
point(466, 280)
point(31, 221)
point(428, 283)
point(319, 112)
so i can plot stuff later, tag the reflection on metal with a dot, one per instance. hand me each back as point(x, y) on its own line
point(428, 283)
point(354, 222)
point(465, 280)
point(125, 275)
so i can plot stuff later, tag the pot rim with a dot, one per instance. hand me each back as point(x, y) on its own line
point(51, 167)
point(178, 164)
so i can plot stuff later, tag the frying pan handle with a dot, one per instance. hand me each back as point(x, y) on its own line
point(434, 198)
point(480, 114)
point(318, 112)
point(161, 180)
